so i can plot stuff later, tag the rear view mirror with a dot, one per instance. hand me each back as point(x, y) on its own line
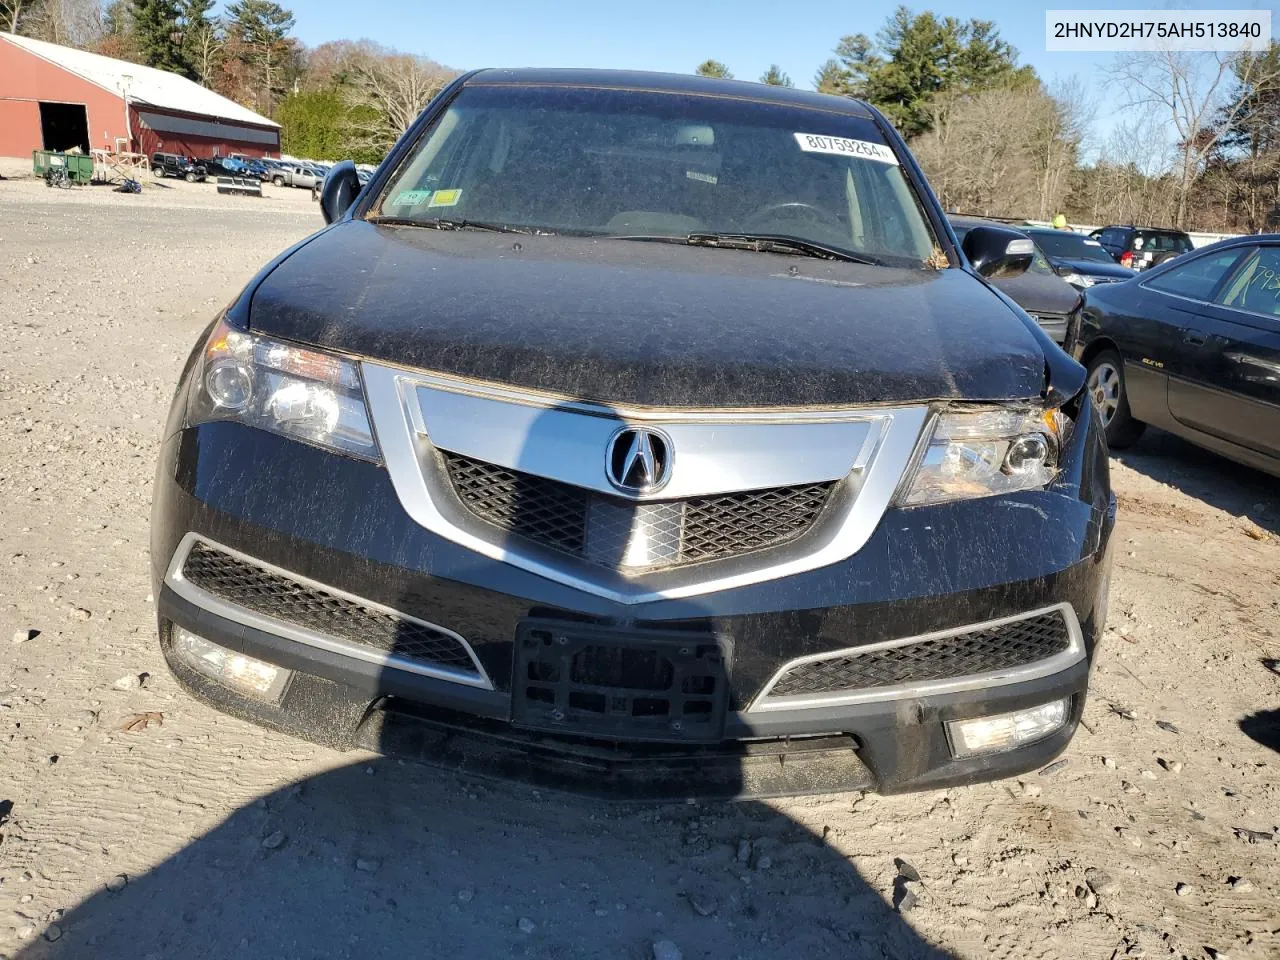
point(998, 252)
point(339, 192)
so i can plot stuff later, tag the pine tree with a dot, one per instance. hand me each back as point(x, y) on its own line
point(713, 68)
point(774, 77)
point(914, 58)
point(259, 32)
point(155, 25)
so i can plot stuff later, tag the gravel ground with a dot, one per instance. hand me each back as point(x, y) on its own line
point(202, 836)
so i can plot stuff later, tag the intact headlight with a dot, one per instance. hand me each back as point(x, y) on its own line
point(983, 453)
point(1078, 280)
point(287, 389)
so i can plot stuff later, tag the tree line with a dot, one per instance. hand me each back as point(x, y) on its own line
point(335, 100)
point(1197, 145)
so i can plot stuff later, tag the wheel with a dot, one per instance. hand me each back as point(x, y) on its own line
point(1106, 383)
point(278, 181)
point(191, 177)
point(157, 172)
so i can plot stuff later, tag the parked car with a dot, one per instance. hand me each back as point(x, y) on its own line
point(1079, 260)
point(1193, 346)
point(1143, 247)
point(296, 175)
point(1051, 301)
point(643, 434)
point(175, 165)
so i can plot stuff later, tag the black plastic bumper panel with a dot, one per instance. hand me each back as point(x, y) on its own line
point(572, 678)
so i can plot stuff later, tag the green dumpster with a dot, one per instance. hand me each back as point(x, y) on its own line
point(79, 166)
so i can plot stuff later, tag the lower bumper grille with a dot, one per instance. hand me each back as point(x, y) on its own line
point(1017, 643)
point(272, 593)
point(615, 532)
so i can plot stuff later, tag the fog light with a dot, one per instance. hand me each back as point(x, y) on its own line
point(254, 677)
point(1005, 731)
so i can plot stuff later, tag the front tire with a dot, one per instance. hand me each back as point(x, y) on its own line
point(1106, 384)
point(191, 177)
point(278, 181)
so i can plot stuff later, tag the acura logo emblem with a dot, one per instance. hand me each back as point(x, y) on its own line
point(639, 460)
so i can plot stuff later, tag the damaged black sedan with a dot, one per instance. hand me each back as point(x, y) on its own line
point(644, 435)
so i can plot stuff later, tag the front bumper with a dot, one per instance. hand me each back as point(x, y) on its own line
point(337, 521)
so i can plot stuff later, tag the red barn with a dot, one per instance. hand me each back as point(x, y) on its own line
point(56, 98)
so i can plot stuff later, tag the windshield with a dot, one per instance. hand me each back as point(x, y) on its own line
point(630, 163)
point(1071, 246)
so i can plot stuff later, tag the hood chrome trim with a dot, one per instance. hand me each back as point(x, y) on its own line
point(873, 445)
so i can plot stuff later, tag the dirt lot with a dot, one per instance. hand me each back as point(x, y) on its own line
point(202, 836)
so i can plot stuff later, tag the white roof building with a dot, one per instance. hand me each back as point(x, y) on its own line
point(53, 97)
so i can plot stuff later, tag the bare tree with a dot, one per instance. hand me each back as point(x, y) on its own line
point(393, 88)
point(206, 44)
point(75, 23)
point(11, 14)
point(999, 152)
point(1061, 124)
point(1198, 94)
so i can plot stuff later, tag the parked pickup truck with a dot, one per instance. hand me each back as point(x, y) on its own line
point(297, 176)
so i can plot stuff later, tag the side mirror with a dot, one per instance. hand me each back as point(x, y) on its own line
point(997, 252)
point(340, 189)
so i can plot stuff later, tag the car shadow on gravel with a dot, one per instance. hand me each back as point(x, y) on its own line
point(1263, 727)
point(1217, 481)
point(387, 858)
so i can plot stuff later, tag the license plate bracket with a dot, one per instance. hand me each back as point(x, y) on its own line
point(619, 683)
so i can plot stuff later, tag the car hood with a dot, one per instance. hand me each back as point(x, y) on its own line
point(1093, 268)
point(651, 324)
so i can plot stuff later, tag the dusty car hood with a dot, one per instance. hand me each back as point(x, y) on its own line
point(649, 323)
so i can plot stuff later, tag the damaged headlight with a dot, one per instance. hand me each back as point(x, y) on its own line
point(301, 393)
point(983, 453)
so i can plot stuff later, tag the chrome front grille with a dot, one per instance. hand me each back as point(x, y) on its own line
point(1006, 646)
point(620, 533)
point(272, 593)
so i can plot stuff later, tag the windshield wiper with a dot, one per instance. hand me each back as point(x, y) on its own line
point(777, 243)
point(763, 243)
point(445, 223)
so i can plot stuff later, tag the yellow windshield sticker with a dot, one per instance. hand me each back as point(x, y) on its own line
point(445, 198)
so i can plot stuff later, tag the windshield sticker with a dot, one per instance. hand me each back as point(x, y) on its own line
point(411, 198)
point(445, 198)
point(817, 143)
point(703, 177)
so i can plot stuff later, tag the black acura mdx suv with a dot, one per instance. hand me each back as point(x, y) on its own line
point(646, 435)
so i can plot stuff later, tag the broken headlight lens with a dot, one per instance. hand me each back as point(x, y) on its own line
point(287, 389)
point(984, 453)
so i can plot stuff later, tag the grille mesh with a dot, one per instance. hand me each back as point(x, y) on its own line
point(274, 595)
point(597, 528)
point(1013, 644)
point(554, 514)
point(740, 522)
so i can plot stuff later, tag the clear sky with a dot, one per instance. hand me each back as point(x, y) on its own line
point(677, 35)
